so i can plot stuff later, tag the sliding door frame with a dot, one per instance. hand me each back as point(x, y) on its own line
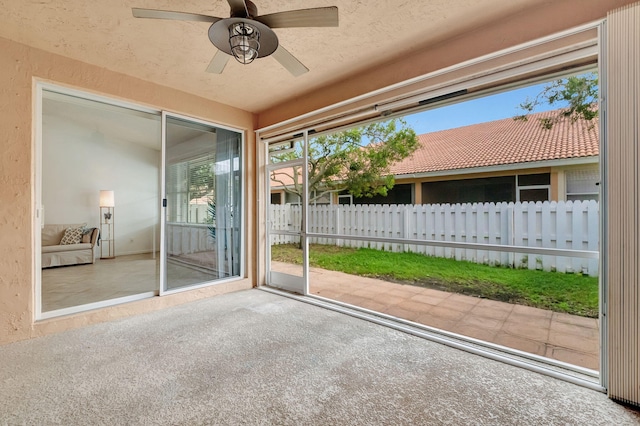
point(39, 214)
point(279, 279)
point(163, 197)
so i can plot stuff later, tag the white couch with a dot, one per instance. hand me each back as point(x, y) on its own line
point(56, 254)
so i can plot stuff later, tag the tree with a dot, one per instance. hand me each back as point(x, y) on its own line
point(579, 93)
point(357, 160)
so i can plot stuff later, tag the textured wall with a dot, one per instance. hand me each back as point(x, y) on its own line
point(20, 66)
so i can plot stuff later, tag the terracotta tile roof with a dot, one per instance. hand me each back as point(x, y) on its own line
point(500, 142)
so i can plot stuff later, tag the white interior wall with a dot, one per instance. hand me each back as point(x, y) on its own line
point(78, 162)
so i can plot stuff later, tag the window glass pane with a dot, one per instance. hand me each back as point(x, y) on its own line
point(89, 146)
point(191, 186)
point(203, 214)
point(399, 194)
point(469, 190)
point(285, 151)
point(583, 181)
point(276, 198)
point(322, 198)
point(345, 199)
point(292, 198)
point(536, 179)
point(541, 194)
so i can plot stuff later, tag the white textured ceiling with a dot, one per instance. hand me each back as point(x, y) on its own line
point(176, 54)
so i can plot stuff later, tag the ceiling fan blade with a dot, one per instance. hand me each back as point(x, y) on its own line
point(317, 17)
point(289, 61)
point(238, 9)
point(168, 14)
point(219, 61)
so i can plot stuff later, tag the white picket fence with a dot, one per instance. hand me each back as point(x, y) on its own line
point(188, 238)
point(562, 225)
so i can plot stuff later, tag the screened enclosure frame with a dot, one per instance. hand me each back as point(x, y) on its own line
point(530, 64)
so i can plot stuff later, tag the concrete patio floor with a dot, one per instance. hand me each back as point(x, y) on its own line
point(563, 337)
point(255, 358)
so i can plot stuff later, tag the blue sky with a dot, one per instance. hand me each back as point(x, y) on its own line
point(489, 108)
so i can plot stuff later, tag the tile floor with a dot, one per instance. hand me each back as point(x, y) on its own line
point(568, 338)
point(108, 279)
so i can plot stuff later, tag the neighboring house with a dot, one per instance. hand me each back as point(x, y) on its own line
point(503, 160)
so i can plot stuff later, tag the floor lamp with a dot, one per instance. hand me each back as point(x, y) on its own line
point(107, 216)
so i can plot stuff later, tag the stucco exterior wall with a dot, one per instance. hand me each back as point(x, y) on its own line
point(20, 67)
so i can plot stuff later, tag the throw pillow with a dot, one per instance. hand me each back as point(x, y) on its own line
point(72, 236)
point(86, 235)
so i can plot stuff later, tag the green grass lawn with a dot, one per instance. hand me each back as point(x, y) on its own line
point(570, 293)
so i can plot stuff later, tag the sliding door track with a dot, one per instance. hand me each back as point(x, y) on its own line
point(549, 367)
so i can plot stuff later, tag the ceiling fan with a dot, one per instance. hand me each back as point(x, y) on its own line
point(247, 36)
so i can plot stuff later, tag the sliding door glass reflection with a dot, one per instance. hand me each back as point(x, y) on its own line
point(203, 181)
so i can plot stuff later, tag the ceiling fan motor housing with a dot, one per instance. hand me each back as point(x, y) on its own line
point(250, 12)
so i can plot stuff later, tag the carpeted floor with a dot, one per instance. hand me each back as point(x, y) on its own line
point(257, 358)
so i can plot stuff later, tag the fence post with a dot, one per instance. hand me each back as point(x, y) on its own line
point(510, 219)
point(337, 229)
point(593, 227)
point(367, 217)
point(447, 230)
point(577, 236)
point(469, 231)
point(493, 228)
point(421, 219)
point(532, 234)
point(406, 228)
point(438, 229)
point(397, 226)
point(561, 234)
point(546, 231)
point(357, 230)
point(482, 226)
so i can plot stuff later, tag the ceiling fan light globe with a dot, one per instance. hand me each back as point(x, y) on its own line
point(244, 40)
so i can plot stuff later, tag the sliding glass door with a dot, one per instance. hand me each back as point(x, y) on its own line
point(85, 145)
point(175, 218)
point(202, 203)
point(286, 210)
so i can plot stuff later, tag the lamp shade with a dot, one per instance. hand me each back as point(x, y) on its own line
point(107, 198)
